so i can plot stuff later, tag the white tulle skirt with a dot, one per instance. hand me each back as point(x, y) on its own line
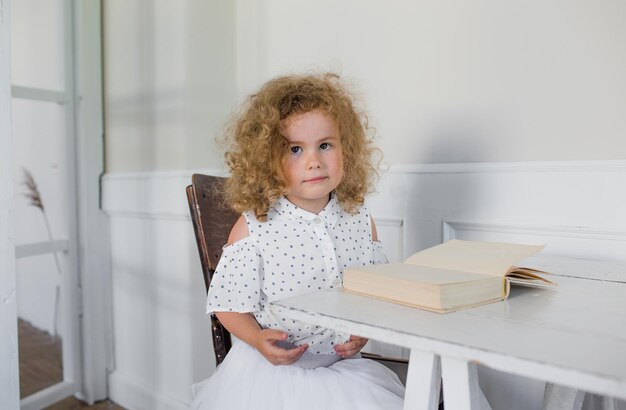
point(246, 380)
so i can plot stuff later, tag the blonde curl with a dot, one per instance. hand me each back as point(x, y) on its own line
point(256, 147)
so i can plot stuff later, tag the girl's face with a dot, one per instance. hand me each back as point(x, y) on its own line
point(313, 165)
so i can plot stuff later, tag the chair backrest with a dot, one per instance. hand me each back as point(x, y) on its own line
point(212, 222)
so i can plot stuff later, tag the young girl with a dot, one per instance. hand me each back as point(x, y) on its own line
point(301, 164)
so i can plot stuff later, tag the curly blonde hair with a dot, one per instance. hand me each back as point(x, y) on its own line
point(256, 147)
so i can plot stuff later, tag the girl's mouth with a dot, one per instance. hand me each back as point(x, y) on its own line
point(316, 179)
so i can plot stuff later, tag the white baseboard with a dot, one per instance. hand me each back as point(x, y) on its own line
point(155, 195)
point(133, 396)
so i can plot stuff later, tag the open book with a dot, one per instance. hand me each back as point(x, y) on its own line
point(448, 277)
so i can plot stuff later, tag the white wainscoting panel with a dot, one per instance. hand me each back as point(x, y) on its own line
point(576, 209)
point(550, 200)
point(391, 233)
point(162, 340)
point(590, 243)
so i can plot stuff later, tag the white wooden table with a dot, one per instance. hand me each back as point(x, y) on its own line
point(574, 335)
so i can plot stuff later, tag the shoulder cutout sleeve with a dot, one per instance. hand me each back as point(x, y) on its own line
point(236, 286)
point(378, 254)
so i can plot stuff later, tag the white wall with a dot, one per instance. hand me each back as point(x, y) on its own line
point(169, 71)
point(162, 340)
point(161, 334)
point(575, 208)
point(9, 380)
point(445, 83)
point(460, 81)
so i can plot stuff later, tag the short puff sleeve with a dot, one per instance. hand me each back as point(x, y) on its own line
point(235, 286)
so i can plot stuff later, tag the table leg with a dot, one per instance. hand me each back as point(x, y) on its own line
point(557, 397)
point(460, 386)
point(423, 381)
point(602, 402)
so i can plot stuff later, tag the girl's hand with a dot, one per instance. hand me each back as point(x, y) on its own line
point(351, 347)
point(266, 345)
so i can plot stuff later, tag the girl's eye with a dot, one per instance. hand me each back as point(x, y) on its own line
point(295, 150)
point(324, 146)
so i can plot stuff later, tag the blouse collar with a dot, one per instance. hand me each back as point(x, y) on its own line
point(329, 214)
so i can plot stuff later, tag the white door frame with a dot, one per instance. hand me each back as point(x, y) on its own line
point(93, 225)
point(83, 95)
point(9, 371)
point(70, 296)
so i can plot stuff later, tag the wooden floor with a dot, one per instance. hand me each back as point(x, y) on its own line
point(41, 366)
point(72, 403)
point(41, 362)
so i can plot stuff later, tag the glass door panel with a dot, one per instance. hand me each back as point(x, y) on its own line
point(41, 238)
point(37, 44)
point(39, 154)
point(40, 324)
point(45, 201)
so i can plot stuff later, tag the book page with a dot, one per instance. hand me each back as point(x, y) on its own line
point(424, 275)
point(491, 258)
point(529, 277)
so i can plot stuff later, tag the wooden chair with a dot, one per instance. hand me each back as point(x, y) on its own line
point(212, 222)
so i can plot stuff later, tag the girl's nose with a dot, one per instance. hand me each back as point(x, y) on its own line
point(313, 162)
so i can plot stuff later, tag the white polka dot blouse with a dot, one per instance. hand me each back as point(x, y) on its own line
point(293, 253)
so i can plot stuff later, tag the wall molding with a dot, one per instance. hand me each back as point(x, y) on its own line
point(499, 167)
point(394, 222)
point(149, 195)
point(441, 168)
point(450, 228)
point(179, 173)
point(149, 215)
point(123, 190)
